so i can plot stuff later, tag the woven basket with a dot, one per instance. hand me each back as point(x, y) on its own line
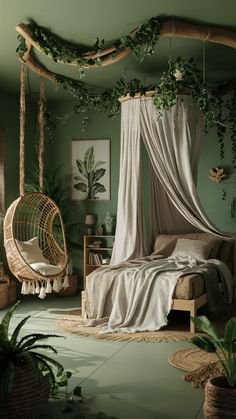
point(72, 289)
point(12, 291)
point(3, 293)
point(220, 400)
point(28, 397)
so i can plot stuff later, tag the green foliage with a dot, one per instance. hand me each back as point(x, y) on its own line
point(89, 175)
point(145, 39)
point(16, 351)
point(60, 50)
point(224, 347)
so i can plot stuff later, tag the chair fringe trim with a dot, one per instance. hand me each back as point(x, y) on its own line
point(42, 288)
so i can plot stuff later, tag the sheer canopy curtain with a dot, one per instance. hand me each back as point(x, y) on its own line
point(173, 142)
point(130, 241)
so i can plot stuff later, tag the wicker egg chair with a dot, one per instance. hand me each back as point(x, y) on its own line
point(35, 215)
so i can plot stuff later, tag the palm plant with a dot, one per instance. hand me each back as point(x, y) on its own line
point(15, 352)
point(224, 347)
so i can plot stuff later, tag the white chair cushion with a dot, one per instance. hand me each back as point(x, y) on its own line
point(45, 268)
point(31, 251)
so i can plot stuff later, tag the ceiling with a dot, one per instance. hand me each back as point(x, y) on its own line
point(82, 21)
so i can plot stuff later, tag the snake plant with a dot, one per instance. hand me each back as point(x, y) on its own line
point(224, 347)
point(15, 351)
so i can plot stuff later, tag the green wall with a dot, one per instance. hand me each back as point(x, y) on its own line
point(59, 153)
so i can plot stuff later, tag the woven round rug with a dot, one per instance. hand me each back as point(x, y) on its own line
point(72, 322)
point(200, 365)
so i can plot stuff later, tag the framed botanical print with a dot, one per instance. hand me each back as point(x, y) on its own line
point(91, 169)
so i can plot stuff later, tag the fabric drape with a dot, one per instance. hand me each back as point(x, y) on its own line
point(130, 241)
point(173, 142)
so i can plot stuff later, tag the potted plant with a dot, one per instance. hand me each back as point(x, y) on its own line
point(27, 376)
point(220, 392)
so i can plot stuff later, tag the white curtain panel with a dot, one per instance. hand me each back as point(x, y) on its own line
point(173, 142)
point(130, 239)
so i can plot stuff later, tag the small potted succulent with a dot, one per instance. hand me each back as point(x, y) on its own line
point(27, 375)
point(220, 392)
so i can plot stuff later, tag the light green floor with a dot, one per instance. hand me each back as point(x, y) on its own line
point(125, 380)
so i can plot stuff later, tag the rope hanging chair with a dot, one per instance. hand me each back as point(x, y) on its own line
point(34, 236)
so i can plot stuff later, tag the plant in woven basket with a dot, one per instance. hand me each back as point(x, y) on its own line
point(224, 347)
point(22, 356)
point(220, 392)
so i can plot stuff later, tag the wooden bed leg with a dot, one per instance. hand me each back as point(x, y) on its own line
point(193, 313)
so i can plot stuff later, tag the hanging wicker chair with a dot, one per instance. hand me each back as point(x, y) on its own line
point(35, 215)
point(35, 220)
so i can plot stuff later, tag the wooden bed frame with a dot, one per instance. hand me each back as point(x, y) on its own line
point(190, 305)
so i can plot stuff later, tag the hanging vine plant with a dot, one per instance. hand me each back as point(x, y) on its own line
point(219, 112)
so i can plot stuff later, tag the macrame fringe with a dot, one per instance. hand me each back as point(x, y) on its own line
point(43, 288)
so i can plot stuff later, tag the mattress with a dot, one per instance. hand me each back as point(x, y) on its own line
point(189, 286)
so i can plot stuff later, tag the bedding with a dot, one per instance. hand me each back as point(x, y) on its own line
point(137, 295)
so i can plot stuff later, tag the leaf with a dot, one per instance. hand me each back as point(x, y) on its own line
point(203, 343)
point(230, 330)
point(206, 326)
point(98, 163)
point(98, 188)
point(16, 332)
point(6, 319)
point(81, 168)
point(32, 338)
point(89, 159)
point(98, 174)
point(81, 187)
point(78, 391)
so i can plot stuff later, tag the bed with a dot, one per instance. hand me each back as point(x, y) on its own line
point(190, 291)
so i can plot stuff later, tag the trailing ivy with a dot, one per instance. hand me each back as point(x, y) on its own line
point(141, 44)
point(218, 112)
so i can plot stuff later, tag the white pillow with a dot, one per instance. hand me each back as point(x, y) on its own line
point(31, 251)
point(196, 249)
point(45, 268)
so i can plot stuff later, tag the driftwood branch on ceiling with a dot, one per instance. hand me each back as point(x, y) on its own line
point(170, 28)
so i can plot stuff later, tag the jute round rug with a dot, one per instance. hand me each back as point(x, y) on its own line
point(73, 322)
point(200, 365)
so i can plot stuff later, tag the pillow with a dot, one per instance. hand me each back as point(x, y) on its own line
point(45, 268)
point(196, 249)
point(31, 251)
point(165, 243)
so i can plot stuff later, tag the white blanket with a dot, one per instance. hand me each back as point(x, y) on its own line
point(142, 291)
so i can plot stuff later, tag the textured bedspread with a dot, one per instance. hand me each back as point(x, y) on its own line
point(142, 290)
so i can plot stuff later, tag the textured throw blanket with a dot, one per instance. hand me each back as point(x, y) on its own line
point(140, 292)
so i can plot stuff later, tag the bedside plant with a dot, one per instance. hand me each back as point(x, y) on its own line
point(25, 370)
point(220, 392)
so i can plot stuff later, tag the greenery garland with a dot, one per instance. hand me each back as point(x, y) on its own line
point(219, 111)
point(142, 44)
point(181, 75)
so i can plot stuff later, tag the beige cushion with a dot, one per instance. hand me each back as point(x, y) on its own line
point(165, 243)
point(196, 249)
point(45, 268)
point(31, 251)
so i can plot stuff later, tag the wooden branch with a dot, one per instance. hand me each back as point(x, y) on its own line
point(169, 28)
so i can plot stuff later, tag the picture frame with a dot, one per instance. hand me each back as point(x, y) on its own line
point(90, 170)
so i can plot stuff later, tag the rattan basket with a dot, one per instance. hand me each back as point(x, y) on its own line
point(28, 397)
